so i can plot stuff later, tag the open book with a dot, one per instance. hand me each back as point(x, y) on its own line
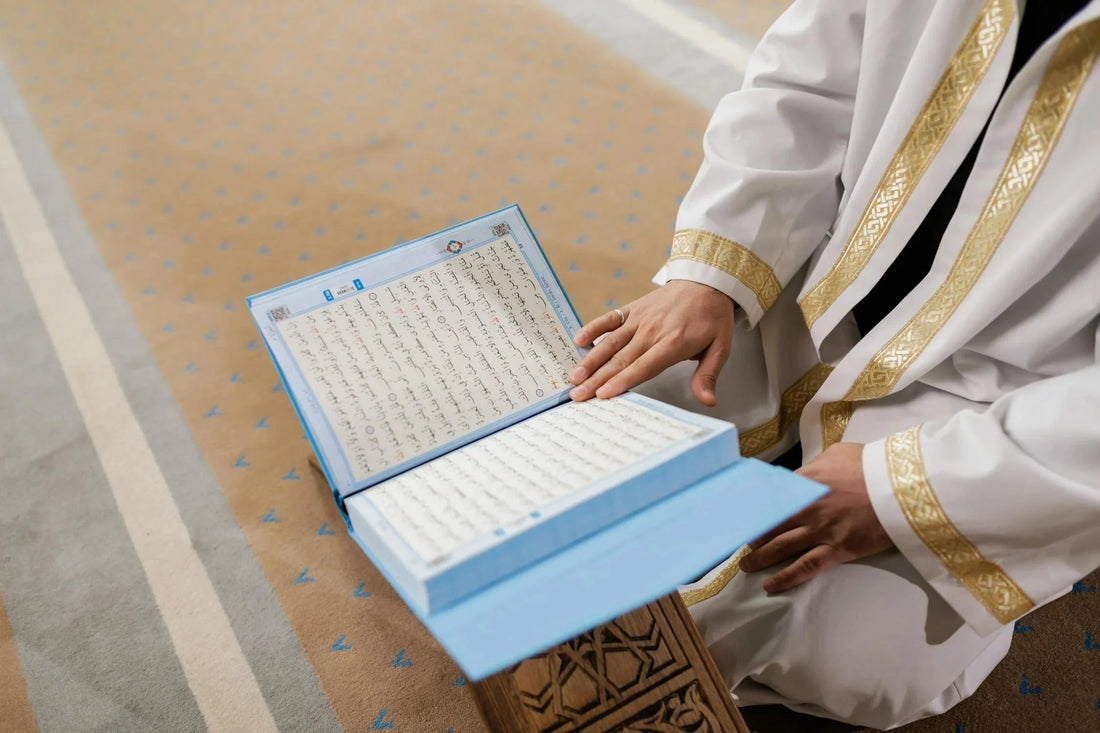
point(431, 380)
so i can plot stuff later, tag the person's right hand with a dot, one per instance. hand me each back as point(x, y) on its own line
point(680, 320)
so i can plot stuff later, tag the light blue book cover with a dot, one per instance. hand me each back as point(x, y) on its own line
point(431, 382)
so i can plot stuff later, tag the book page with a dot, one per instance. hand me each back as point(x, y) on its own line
point(506, 477)
point(415, 363)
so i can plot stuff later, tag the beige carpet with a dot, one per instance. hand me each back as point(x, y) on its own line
point(183, 156)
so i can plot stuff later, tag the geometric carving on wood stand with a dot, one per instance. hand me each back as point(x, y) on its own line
point(684, 711)
point(647, 671)
point(560, 688)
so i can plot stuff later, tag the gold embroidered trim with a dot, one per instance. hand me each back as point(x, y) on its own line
point(711, 589)
point(834, 421)
point(920, 146)
point(731, 258)
point(1058, 90)
point(991, 585)
point(759, 439)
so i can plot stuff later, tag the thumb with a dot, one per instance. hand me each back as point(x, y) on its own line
point(705, 380)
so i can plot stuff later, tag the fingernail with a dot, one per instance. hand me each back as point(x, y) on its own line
point(577, 375)
point(603, 392)
point(576, 394)
point(579, 338)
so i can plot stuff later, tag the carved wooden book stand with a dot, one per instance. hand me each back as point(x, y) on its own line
point(647, 671)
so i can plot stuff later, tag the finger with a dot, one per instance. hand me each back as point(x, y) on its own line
point(648, 365)
point(810, 564)
point(783, 547)
point(618, 361)
point(704, 382)
point(597, 327)
point(600, 353)
point(797, 520)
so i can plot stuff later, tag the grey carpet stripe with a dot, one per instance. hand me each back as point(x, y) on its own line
point(286, 679)
point(94, 651)
point(678, 64)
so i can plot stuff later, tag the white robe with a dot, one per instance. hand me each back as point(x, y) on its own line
point(978, 397)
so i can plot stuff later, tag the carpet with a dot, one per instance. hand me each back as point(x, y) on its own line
point(168, 561)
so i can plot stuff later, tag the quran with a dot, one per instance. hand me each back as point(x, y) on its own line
point(431, 381)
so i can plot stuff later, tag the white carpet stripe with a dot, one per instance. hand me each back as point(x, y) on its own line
point(218, 674)
point(694, 32)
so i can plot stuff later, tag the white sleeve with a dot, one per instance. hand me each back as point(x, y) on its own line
point(768, 188)
point(998, 510)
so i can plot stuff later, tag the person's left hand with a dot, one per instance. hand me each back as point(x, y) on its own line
point(840, 527)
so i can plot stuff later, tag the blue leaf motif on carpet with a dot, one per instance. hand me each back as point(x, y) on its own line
point(380, 722)
point(400, 661)
point(1027, 689)
point(340, 646)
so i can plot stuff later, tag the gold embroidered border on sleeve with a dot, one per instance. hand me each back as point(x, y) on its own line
point(762, 437)
point(834, 421)
point(920, 146)
point(732, 258)
point(728, 572)
point(990, 584)
point(1046, 116)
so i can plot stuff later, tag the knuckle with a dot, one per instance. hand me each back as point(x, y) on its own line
point(647, 330)
point(613, 342)
point(618, 362)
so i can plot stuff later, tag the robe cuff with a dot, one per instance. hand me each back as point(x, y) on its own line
point(725, 265)
point(705, 276)
point(906, 505)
